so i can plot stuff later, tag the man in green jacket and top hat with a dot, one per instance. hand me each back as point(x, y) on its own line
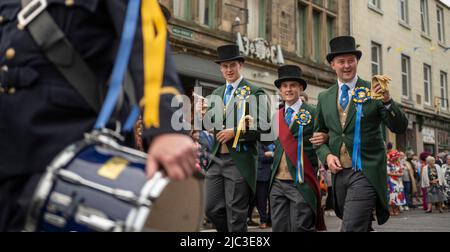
point(230, 184)
point(356, 152)
point(294, 195)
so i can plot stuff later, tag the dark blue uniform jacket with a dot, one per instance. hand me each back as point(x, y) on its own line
point(45, 114)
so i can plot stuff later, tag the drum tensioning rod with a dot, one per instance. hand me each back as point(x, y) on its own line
point(120, 194)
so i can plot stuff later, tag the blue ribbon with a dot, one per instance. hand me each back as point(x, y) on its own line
point(356, 157)
point(299, 156)
point(132, 118)
point(121, 62)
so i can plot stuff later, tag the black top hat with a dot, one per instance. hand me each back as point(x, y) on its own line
point(343, 45)
point(290, 73)
point(229, 53)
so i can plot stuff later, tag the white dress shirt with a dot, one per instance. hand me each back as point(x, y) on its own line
point(235, 86)
point(351, 86)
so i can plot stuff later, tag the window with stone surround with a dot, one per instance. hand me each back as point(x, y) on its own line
point(257, 14)
point(440, 24)
point(403, 13)
point(427, 84)
point(406, 77)
point(316, 26)
point(182, 9)
point(376, 59)
point(444, 91)
point(425, 27)
point(317, 35)
point(331, 29)
point(207, 12)
point(376, 4)
point(301, 29)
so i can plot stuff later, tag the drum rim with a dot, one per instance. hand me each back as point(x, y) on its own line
point(152, 189)
point(138, 214)
point(46, 183)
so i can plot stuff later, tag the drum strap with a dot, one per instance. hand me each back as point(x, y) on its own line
point(120, 67)
point(60, 52)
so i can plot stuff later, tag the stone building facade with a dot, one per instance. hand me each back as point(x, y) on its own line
point(410, 41)
point(271, 32)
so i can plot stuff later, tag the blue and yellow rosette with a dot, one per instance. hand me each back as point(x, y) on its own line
point(242, 94)
point(302, 118)
point(361, 95)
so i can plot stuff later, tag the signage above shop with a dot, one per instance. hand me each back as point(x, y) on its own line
point(182, 32)
point(260, 49)
point(429, 135)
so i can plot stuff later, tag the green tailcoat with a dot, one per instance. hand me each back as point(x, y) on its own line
point(373, 151)
point(246, 160)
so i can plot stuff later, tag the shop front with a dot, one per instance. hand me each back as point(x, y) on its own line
point(429, 140)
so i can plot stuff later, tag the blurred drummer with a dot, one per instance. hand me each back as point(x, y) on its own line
point(41, 113)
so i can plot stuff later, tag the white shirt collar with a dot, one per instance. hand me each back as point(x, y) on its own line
point(236, 83)
point(351, 85)
point(296, 106)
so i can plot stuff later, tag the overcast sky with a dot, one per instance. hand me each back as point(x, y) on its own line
point(446, 2)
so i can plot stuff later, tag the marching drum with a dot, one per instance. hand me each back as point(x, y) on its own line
point(97, 185)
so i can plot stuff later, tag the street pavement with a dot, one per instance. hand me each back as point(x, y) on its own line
point(415, 220)
point(409, 221)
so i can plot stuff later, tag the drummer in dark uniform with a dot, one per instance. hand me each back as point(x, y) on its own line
point(41, 113)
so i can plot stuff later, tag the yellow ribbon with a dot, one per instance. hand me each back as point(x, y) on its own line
point(154, 34)
point(241, 126)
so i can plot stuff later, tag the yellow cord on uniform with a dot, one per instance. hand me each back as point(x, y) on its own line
point(241, 126)
point(154, 34)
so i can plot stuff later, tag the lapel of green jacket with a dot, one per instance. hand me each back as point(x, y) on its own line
point(231, 108)
point(221, 90)
point(294, 127)
point(312, 111)
point(331, 102)
point(352, 109)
